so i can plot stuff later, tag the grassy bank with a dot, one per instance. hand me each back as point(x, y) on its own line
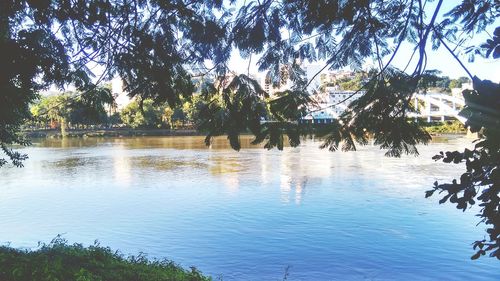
point(62, 262)
point(447, 127)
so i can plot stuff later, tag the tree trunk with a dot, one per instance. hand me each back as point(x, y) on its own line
point(63, 127)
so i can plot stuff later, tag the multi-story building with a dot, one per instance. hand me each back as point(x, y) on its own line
point(329, 105)
point(283, 84)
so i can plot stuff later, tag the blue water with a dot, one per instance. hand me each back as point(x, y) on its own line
point(248, 215)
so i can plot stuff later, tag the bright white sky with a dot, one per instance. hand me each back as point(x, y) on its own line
point(440, 59)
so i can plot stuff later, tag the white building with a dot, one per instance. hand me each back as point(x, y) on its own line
point(313, 74)
point(330, 104)
point(284, 84)
point(457, 92)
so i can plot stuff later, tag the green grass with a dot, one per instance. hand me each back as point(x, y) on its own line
point(447, 127)
point(59, 261)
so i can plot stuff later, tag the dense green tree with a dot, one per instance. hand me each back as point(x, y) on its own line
point(454, 83)
point(193, 108)
point(355, 83)
point(89, 108)
point(457, 83)
point(156, 46)
point(146, 115)
point(74, 108)
point(56, 109)
point(432, 80)
point(55, 42)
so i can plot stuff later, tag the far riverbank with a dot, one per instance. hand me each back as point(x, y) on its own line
point(112, 132)
point(435, 129)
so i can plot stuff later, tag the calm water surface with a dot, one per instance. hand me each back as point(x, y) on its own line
point(247, 215)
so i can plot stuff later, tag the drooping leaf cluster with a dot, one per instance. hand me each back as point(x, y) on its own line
point(237, 108)
point(381, 113)
point(492, 46)
point(348, 33)
point(481, 180)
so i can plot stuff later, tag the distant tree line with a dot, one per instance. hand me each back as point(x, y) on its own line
point(72, 110)
point(431, 79)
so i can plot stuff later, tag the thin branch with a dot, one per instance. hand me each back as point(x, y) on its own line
point(455, 56)
point(423, 39)
point(249, 62)
point(381, 71)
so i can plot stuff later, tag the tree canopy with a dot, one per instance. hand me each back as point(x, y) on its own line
point(158, 47)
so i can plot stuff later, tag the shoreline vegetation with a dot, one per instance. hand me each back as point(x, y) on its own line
point(59, 260)
point(435, 129)
point(447, 127)
point(110, 132)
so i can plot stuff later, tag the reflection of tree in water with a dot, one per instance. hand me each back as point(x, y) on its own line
point(165, 163)
point(74, 164)
point(70, 142)
point(184, 142)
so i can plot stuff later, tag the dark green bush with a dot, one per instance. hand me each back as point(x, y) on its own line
point(59, 261)
point(448, 127)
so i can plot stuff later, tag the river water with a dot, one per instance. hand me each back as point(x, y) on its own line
point(248, 215)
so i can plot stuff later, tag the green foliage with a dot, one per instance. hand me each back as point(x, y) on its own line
point(238, 108)
point(60, 261)
point(445, 127)
point(353, 84)
point(149, 116)
point(481, 180)
point(87, 108)
point(193, 108)
point(457, 83)
point(154, 46)
point(54, 42)
point(431, 79)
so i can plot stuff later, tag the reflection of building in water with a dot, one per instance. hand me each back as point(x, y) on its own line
point(121, 166)
point(300, 189)
point(232, 182)
point(301, 169)
point(291, 179)
point(228, 168)
point(265, 164)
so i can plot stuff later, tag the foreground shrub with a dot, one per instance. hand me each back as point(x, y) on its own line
point(59, 261)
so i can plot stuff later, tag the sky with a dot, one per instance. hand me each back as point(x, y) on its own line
point(439, 59)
